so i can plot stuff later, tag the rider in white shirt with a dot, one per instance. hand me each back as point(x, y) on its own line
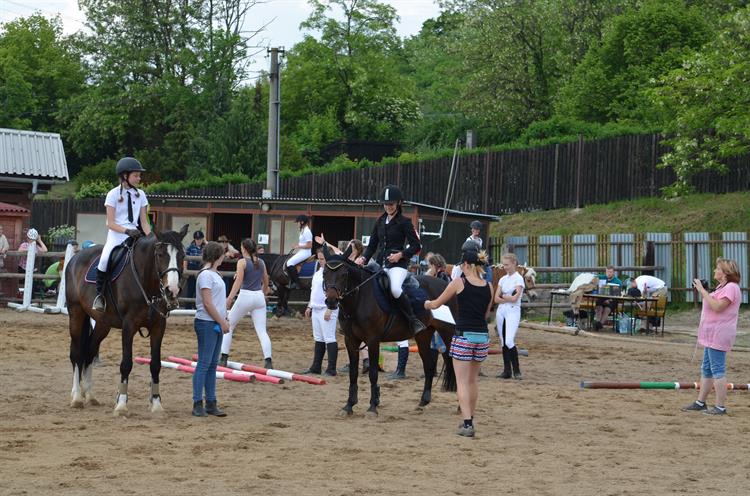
point(304, 249)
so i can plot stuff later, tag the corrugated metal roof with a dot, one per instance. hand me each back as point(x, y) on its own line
point(7, 207)
point(32, 154)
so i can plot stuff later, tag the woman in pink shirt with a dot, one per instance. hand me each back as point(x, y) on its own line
point(716, 333)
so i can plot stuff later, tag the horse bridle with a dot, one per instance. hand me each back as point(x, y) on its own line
point(153, 302)
point(336, 266)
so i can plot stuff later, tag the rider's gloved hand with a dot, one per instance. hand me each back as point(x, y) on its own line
point(134, 233)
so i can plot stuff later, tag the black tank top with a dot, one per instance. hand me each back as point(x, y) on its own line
point(472, 305)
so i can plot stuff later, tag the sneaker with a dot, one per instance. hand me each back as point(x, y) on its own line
point(466, 431)
point(694, 407)
point(715, 411)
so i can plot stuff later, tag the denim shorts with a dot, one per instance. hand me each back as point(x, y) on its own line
point(714, 363)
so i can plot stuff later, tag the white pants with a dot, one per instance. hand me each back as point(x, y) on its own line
point(511, 315)
point(255, 303)
point(397, 275)
point(113, 239)
point(324, 330)
point(298, 257)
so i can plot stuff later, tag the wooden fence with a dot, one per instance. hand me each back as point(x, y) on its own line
point(677, 258)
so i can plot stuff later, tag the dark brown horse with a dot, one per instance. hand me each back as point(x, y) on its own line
point(280, 283)
point(140, 298)
point(353, 288)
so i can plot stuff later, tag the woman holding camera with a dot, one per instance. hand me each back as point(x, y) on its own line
point(716, 333)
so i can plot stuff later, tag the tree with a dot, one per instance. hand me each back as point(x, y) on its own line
point(640, 45)
point(705, 104)
point(39, 69)
point(354, 74)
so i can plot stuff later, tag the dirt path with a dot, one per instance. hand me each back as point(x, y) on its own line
point(539, 436)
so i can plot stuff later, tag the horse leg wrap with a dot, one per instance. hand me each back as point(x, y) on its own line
point(154, 390)
point(122, 388)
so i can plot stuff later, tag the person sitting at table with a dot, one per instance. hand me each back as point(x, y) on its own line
point(605, 307)
point(582, 284)
point(650, 287)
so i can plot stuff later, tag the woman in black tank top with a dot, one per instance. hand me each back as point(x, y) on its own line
point(471, 343)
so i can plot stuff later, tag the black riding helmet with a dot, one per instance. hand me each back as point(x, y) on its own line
point(302, 218)
point(390, 194)
point(475, 224)
point(469, 245)
point(128, 164)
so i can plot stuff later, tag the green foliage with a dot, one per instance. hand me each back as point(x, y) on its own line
point(93, 189)
point(706, 104)
point(202, 181)
point(104, 171)
point(612, 80)
point(63, 231)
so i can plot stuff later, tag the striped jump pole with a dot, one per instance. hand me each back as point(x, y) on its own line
point(281, 374)
point(191, 370)
point(258, 377)
point(654, 385)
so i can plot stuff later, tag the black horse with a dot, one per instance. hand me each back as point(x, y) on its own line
point(280, 281)
point(145, 291)
point(364, 321)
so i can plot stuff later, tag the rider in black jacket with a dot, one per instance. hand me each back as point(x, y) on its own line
point(396, 242)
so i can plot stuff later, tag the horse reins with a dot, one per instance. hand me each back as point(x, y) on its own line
point(153, 302)
point(355, 288)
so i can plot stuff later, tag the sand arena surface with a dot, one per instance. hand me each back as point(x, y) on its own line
point(539, 436)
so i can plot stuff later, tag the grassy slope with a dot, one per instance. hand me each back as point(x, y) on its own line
point(703, 212)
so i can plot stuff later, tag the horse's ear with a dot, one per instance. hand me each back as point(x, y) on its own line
point(326, 252)
point(184, 231)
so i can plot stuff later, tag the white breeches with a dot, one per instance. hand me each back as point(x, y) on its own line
point(511, 315)
point(403, 344)
point(324, 330)
point(397, 275)
point(113, 239)
point(255, 303)
point(298, 257)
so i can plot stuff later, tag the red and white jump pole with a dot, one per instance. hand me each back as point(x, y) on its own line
point(191, 370)
point(654, 385)
point(282, 374)
point(258, 377)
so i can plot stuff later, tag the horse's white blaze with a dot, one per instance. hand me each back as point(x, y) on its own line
point(173, 280)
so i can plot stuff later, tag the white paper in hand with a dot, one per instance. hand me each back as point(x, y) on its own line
point(443, 313)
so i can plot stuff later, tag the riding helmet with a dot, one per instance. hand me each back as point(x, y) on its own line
point(390, 194)
point(128, 164)
point(88, 244)
point(475, 224)
point(302, 218)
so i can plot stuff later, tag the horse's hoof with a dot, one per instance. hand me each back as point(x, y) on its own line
point(77, 403)
point(371, 414)
point(343, 413)
point(156, 407)
point(92, 401)
point(122, 412)
point(423, 403)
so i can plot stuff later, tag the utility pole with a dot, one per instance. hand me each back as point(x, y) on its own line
point(274, 118)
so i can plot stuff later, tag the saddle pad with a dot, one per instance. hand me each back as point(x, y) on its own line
point(308, 269)
point(114, 271)
point(417, 297)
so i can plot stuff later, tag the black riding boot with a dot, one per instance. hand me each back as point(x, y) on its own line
point(100, 302)
point(403, 357)
point(293, 277)
point(320, 350)
point(223, 359)
point(268, 363)
point(514, 362)
point(333, 353)
point(506, 373)
point(405, 306)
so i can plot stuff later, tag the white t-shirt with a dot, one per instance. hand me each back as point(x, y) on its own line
point(305, 236)
point(652, 282)
point(317, 295)
point(580, 280)
point(478, 241)
point(121, 207)
point(456, 272)
point(208, 279)
point(508, 284)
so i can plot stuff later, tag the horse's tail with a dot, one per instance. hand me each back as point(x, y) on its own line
point(449, 375)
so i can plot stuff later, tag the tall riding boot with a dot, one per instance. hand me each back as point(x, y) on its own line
point(320, 350)
point(403, 357)
point(405, 306)
point(223, 359)
point(333, 353)
point(100, 302)
point(506, 373)
point(514, 362)
point(293, 277)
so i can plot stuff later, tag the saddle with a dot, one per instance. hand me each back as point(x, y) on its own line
point(118, 259)
point(386, 302)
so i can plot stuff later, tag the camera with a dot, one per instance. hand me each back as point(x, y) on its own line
point(704, 283)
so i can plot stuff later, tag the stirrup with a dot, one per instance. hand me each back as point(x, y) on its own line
point(417, 326)
point(100, 303)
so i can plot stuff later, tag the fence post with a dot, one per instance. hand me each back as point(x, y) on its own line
point(554, 181)
point(485, 191)
point(578, 171)
point(28, 282)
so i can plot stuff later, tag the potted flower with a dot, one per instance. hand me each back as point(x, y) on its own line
point(60, 235)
